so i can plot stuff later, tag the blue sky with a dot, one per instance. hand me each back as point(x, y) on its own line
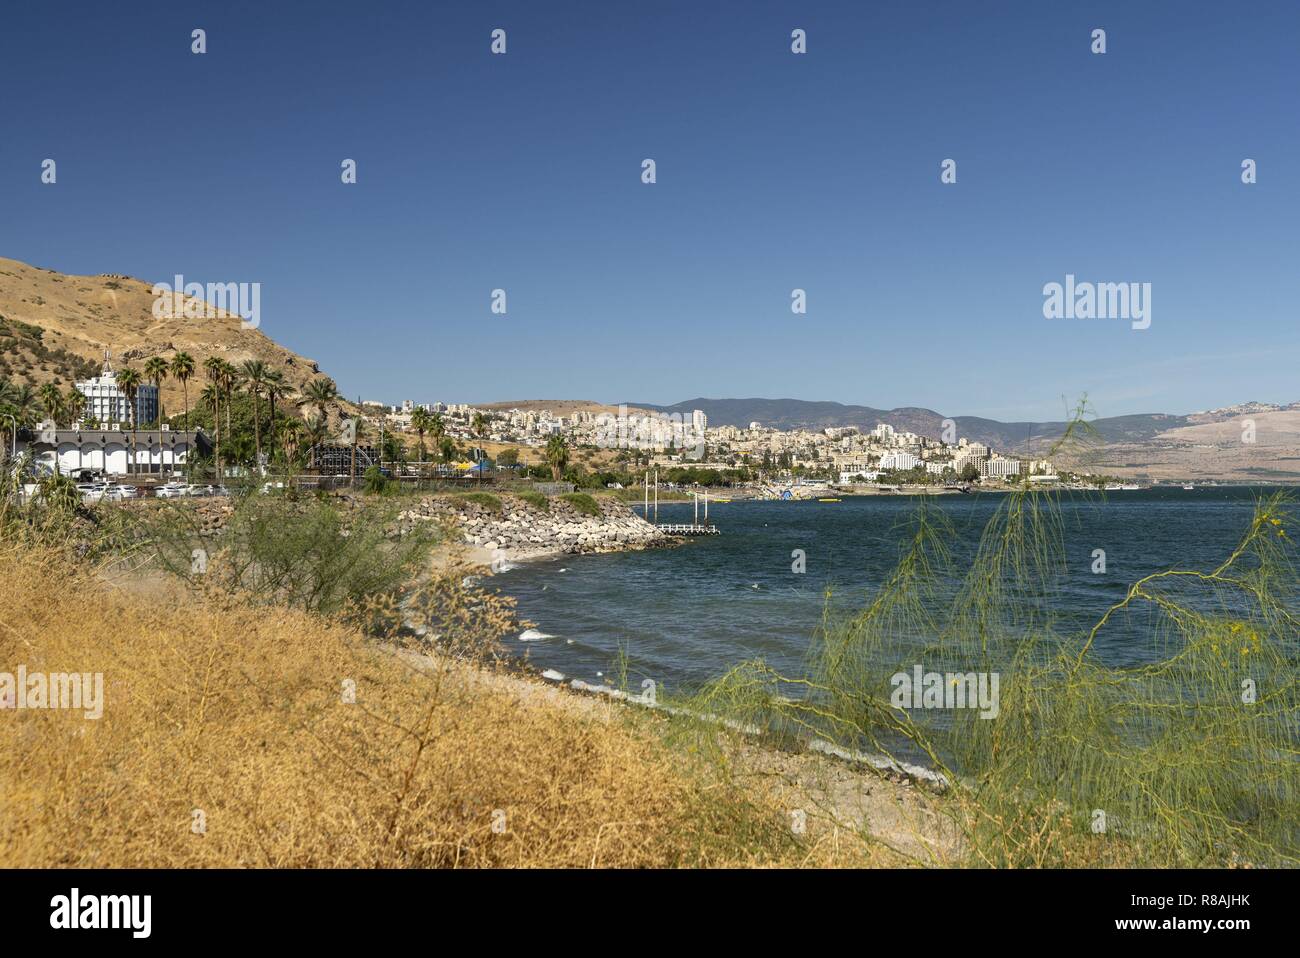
point(775, 171)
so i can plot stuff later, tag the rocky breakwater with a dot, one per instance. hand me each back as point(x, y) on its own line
point(512, 527)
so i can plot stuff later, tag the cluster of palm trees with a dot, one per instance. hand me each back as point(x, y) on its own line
point(423, 421)
point(255, 379)
point(17, 406)
point(20, 406)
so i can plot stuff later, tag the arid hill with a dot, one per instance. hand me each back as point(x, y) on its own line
point(55, 327)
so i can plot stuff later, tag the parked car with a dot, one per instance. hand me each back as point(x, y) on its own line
point(173, 490)
point(119, 493)
point(91, 491)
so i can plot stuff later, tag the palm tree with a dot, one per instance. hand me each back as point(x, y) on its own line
point(255, 380)
point(229, 378)
point(155, 371)
point(437, 428)
point(52, 402)
point(291, 437)
point(420, 422)
point(320, 393)
point(315, 432)
point(183, 368)
point(276, 388)
point(557, 455)
point(74, 404)
point(128, 380)
point(212, 367)
point(479, 424)
point(23, 403)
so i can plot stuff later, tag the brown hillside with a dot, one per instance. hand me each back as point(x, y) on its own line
point(55, 328)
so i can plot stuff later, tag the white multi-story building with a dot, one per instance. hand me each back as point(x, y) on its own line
point(107, 404)
point(902, 461)
point(999, 468)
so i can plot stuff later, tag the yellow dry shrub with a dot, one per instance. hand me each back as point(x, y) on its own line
point(227, 741)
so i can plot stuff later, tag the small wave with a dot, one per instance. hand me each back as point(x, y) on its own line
point(533, 635)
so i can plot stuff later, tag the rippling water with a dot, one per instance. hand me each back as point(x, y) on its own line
point(685, 615)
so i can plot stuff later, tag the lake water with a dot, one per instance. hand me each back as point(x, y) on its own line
point(686, 614)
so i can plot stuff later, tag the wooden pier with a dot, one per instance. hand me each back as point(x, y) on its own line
point(688, 529)
point(693, 528)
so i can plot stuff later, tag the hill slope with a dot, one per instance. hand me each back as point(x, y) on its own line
point(55, 327)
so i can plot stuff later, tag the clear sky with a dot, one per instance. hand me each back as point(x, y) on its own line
point(775, 171)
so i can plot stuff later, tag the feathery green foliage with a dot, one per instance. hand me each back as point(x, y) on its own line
point(1186, 758)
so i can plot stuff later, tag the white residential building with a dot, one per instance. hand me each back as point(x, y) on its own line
point(108, 405)
point(999, 468)
point(902, 461)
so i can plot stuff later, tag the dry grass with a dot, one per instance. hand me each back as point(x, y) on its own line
point(237, 713)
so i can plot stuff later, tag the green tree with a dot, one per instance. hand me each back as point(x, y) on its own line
point(420, 423)
point(213, 367)
point(52, 402)
point(557, 455)
point(128, 380)
point(155, 371)
point(182, 369)
point(437, 429)
point(276, 388)
point(320, 393)
point(315, 432)
point(255, 374)
point(74, 404)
